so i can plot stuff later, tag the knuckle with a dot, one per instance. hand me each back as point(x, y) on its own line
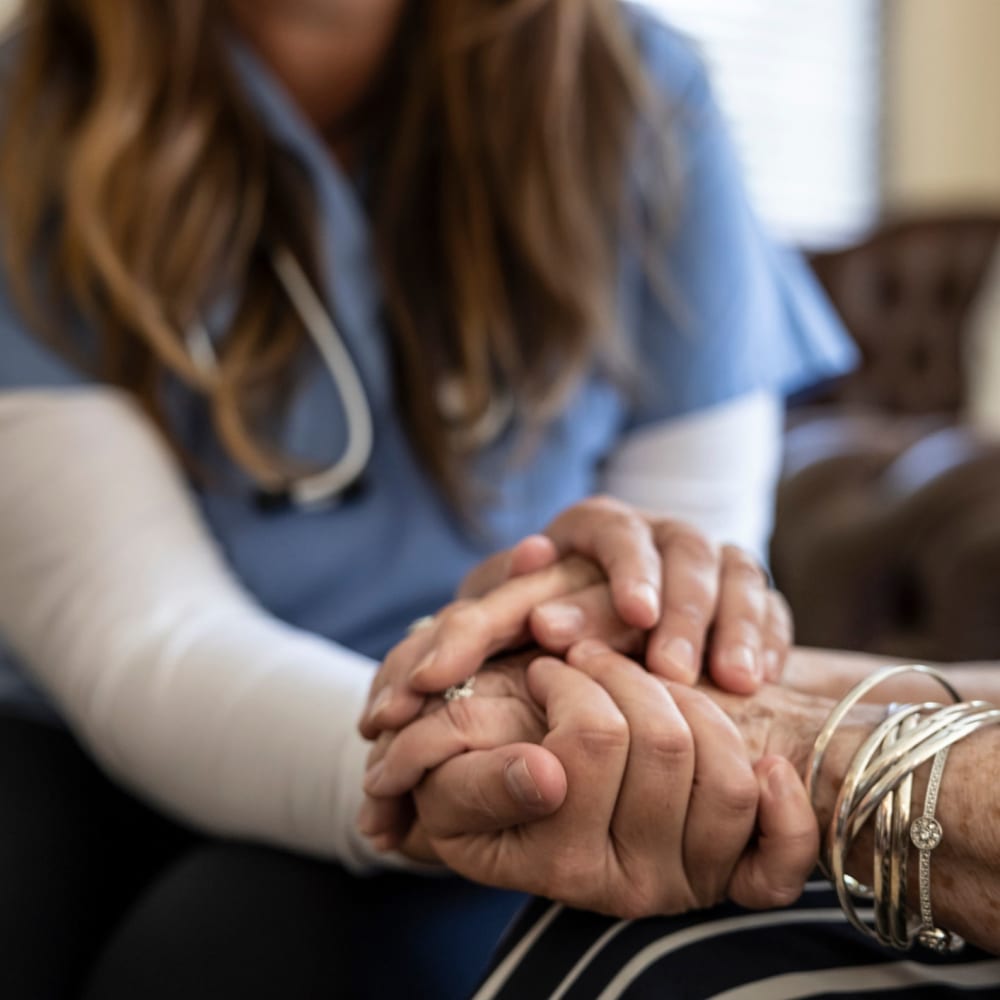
point(771, 895)
point(685, 541)
point(738, 795)
point(667, 745)
point(697, 602)
point(481, 802)
point(688, 617)
point(741, 628)
point(603, 503)
point(464, 617)
point(599, 734)
point(780, 623)
point(744, 567)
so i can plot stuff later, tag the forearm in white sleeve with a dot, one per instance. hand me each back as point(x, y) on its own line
point(115, 596)
point(716, 469)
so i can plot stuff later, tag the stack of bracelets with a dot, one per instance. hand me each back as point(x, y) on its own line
point(878, 783)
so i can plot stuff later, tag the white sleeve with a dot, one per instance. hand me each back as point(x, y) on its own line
point(716, 469)
point(115, 596)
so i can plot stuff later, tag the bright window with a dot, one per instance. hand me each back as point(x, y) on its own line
point(800, 82)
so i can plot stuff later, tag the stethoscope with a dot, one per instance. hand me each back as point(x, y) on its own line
point(326, 487)
point(322, 488)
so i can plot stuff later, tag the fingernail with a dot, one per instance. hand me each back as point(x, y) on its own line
point(520, 782)
point(741, 659)
point(647, 595)
point(374, 778)
point(680, 652)
point(424, 665)
point(380, 703)
point(366, 818)
point(563, 620)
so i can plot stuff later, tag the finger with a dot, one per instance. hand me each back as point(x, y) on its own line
point(619, 539)
point(566, 854)
point(589, 613)
point(778, 636)
point(690, 595)
point(735, 658)
point(590, 736)
point(723, 805)
point(458, 726)
point(775, 870)
point(378, 749)
point(468, 633)
point(386, 822)
point(393, 701)
point(490, 790)
point(649, 816)
point(528, 556)
point(388, 697)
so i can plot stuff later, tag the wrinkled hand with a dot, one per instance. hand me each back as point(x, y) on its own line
point(661, 586)
point(501, 712)
point(461, 636)
point(661, 800)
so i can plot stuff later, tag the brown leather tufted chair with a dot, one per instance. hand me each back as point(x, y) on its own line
point(904, 293)
point(887, 535)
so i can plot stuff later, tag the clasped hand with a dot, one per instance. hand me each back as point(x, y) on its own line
point(586, 777)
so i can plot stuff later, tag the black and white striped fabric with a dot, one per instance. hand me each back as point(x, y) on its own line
point(728, 953)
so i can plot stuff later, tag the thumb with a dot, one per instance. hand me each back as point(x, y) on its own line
point(773, 870)
point(485, 791)
point(530, 554)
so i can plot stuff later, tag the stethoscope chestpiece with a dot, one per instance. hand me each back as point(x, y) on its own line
point(283, 501)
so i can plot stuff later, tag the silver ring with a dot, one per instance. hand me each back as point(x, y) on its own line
point(463, 690)
point(425, 621)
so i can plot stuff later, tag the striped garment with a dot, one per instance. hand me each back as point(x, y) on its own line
point(728, 953)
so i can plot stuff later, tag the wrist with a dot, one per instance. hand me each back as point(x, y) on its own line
point(783, 722)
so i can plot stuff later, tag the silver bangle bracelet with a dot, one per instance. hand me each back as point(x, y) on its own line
point(879, 782)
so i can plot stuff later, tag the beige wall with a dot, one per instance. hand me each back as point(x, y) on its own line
point(7, 7)
point(943, 83)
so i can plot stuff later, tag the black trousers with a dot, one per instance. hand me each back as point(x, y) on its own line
point(103, 898)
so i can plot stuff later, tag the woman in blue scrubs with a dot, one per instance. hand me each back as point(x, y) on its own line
point(308, 307)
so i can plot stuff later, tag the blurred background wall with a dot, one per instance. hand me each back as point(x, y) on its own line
point(942, 127)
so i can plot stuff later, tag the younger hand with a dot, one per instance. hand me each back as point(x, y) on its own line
point(661, 801)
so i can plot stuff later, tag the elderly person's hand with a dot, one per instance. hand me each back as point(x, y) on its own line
point(501, 713)
point(660, 590)
point(663, 809)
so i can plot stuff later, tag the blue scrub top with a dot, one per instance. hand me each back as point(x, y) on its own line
point(747, 316)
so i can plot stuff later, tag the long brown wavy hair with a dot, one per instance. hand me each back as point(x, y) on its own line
point(133, 168)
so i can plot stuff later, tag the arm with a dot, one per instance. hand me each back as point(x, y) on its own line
point(113, 594)
point(832, 673)
point(965, 875)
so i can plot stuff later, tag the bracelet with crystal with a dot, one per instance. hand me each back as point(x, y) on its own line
point(878, 782)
